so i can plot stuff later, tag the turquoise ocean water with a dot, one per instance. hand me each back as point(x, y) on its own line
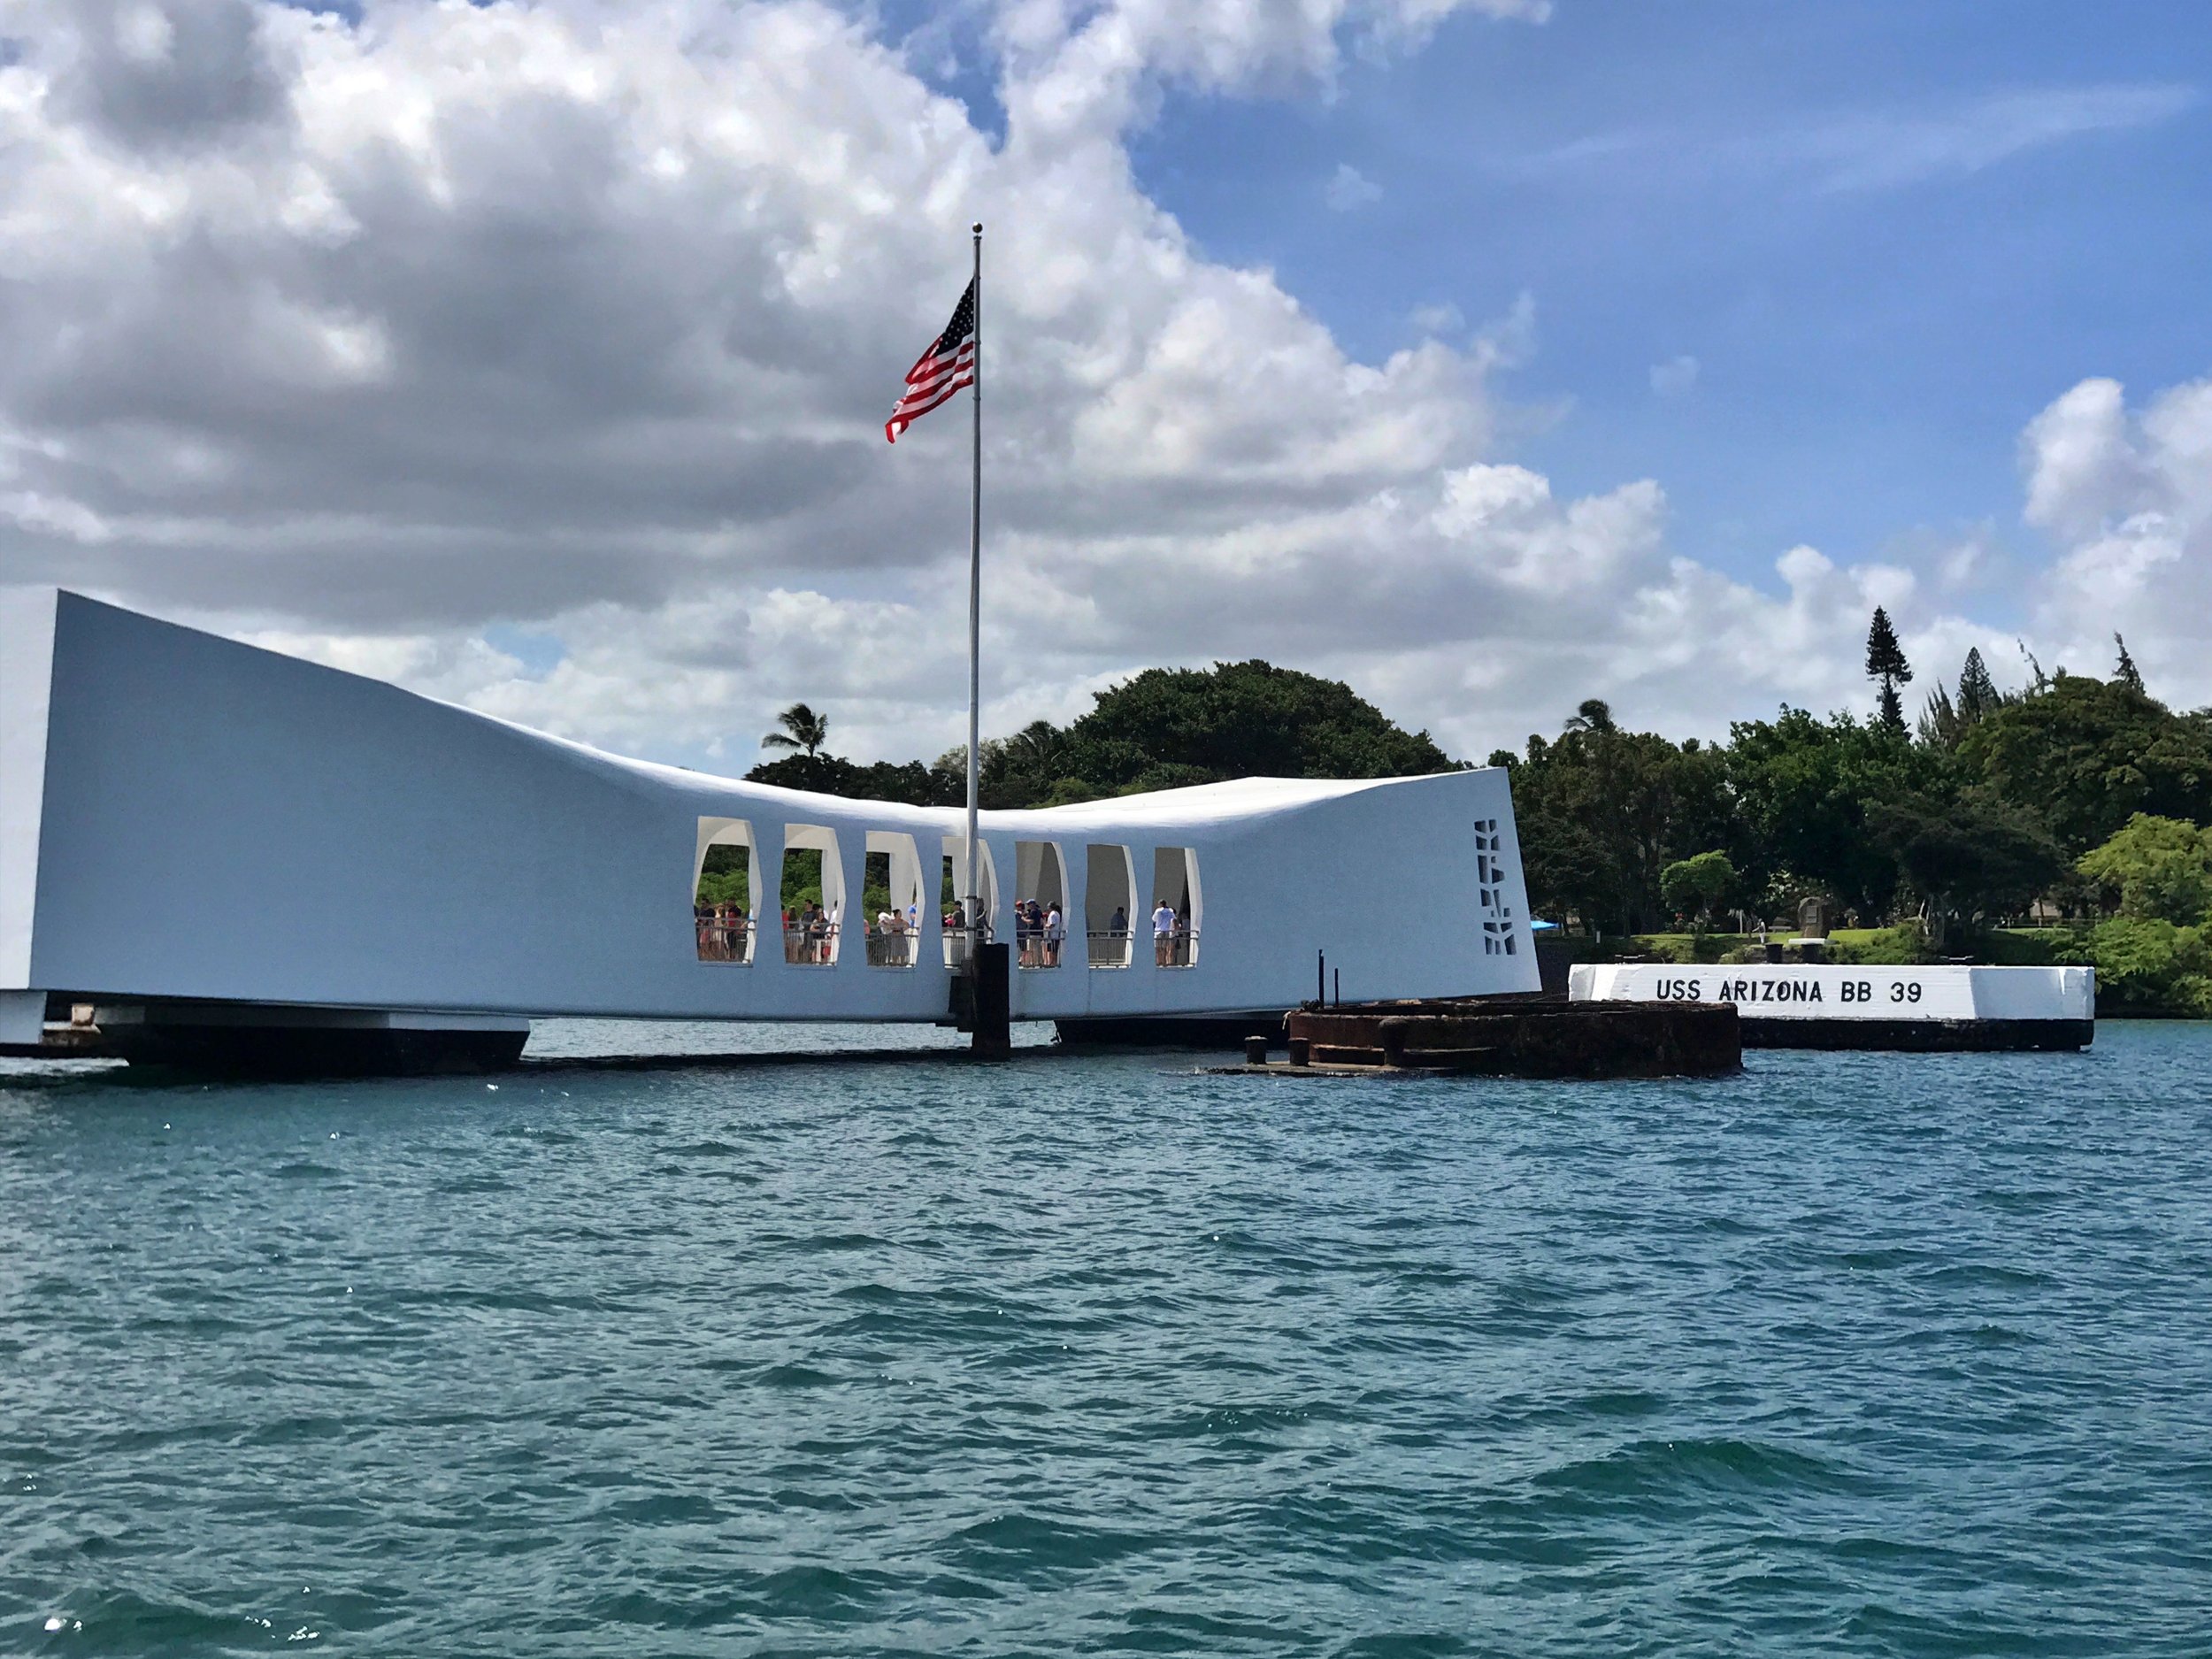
point(1861, 1354)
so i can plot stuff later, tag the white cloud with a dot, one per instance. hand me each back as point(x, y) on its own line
point(1441, 318)
point(1866, 149)
point(367, 336)
point(2128, 499)
point(1508, 341)
point(1674, 376)
point(1349, 189)
point(1883, 150)
point(2081, 461)
point(1078, 71)
point(1505, 517)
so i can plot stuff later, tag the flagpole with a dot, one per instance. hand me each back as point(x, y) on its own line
point(975, 615)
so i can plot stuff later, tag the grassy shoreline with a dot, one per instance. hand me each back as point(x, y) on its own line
point(2002, 947)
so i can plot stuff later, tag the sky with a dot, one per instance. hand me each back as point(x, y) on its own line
point(1489, 355)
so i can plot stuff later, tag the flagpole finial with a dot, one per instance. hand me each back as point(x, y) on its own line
point(976, 228)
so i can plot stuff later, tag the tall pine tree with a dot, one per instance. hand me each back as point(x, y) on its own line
point(1978, 693)
point(1885, 665)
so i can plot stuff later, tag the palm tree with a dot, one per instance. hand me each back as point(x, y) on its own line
point(1594, 715)
point(1038, 748)
point(802, 729)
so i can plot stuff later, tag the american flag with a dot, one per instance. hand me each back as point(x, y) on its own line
point(948, 366)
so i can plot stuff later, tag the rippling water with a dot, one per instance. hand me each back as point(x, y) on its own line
point(1851, 1355)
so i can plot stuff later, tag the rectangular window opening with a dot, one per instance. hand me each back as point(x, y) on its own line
point(1041, 905)
point(811, 889)
point(723, 884)
point(956, 909)
point(1110, 900)
point(1175, 907)
point(891, 900)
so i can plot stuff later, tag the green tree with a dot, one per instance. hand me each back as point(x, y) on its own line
point(1946, 717)
point(948, 777)
point(2089, 755)
point(1168, 727)
point(1162, 730)
point(799, 727)
point(2125, 670)
point(1887, 667)
point(1036, 766)
point(1802, 785)
point(907, 781)
point(724, 877)
point(1697, 887)
point(1040, 748)
point(1603, 812)
point(1970, 857)
point(1979, 696)
point(1025, 770)
point(2154, 869)
point(2149, 967)
point(1939, 724)
point(1592, 714)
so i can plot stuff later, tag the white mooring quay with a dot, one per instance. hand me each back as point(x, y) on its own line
point(1832, 1006)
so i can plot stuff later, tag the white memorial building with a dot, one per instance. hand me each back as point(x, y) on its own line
point(197, 830)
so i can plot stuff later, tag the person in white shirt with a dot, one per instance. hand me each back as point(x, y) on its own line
point(1163, 932)
point(1055, 931)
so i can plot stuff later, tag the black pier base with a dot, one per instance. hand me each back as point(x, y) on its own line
point(1171, 1031)
point(1925, 1036)
point(983, 1003)
point(993, 1034)
point(259, 1040)
point(304, 1051)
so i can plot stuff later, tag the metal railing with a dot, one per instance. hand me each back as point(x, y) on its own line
point(1177, 949)
point(811, 944)
point(724, 938)
point(727, 939)
point(898, 947)
point(1038, 948)
point(956, 943)
point(1116, 947)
